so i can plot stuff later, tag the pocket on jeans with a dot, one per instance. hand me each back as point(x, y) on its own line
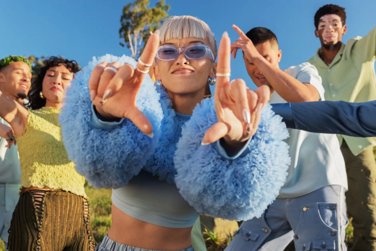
point(322, 213)
point(328, 214)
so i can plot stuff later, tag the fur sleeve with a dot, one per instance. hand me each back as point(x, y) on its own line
point(238, 189)
point(107, 157)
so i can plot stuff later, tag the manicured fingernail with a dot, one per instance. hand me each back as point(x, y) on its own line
point(150, 135)
point(203, 143)
point(246, 116)
point(92, 95)
point(106, 95)
point(248, 129)
point(225, 34)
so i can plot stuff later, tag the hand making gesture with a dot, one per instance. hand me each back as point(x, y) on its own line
point(15, 114)
point(234, 104)
point(114, 87)
point(246, 45)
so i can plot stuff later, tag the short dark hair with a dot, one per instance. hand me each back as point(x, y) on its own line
point(330, 9)
point(260, 35)
point(35, 99)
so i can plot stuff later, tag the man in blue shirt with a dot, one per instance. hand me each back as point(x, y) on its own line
point(15, 78)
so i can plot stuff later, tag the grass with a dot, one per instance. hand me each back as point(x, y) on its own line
point(100, 211)
point(216, 239)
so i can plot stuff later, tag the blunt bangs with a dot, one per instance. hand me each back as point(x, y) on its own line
point(178, 27)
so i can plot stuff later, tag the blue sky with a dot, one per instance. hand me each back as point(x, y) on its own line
point(81, 29)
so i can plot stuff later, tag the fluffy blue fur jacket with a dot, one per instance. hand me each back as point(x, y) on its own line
point(213, 184)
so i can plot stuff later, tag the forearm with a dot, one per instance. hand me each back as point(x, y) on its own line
point(288, 87)
point(13, 113)
point(353, 119)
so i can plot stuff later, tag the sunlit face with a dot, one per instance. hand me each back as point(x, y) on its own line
point(184, 76)
point(270, 51)
point(330, 30)
point(15, 79)
point(55, 82)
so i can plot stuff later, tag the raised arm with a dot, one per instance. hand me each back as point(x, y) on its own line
point(285, 85)
point(13, 113)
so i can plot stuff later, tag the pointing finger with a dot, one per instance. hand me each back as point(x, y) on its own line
point(240, 32)
point(223, 66)
point(147, 57)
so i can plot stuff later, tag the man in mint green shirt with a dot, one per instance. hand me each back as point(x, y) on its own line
point(15, 77)
point(348, 74)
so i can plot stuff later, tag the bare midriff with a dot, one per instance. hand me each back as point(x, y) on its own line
point(133, 232)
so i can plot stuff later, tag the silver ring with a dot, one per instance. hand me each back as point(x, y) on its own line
point(228, 74)
point(142, 71)
point(110, 68)
point(144, 64)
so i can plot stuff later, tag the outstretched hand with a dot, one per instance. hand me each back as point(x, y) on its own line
point(238, 109)
point(114, 87)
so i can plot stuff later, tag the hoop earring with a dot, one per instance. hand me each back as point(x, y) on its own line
point(41, 95)
point(211, 81)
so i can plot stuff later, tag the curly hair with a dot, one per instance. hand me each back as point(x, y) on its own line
point(330, 9)
point(35, 100)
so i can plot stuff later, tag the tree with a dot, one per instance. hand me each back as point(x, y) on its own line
point(138, 20)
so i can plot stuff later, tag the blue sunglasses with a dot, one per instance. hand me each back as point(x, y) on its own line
point(193, 52)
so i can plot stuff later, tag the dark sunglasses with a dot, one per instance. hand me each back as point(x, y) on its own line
point(193, 52)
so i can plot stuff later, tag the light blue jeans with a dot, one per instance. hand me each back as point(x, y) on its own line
point(109, 245)
point(9, 194)
point(315, 221)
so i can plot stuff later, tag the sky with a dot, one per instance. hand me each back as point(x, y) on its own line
point(81, 29)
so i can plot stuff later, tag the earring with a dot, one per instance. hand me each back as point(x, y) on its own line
point(211, 81)
point(41, 95)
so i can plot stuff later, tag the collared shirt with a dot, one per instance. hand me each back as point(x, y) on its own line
point(351, 77)
point(10, 171)
point(316, 159)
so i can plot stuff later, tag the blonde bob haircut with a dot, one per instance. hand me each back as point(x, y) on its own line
point(178, 27)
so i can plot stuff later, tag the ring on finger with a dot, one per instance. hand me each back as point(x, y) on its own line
point(142, 71)
point(219, 74)
point(144, 64)
point(110, 68)
point(143, 67)
point(247, 131)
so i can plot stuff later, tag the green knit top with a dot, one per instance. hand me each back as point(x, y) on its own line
point(44, 160)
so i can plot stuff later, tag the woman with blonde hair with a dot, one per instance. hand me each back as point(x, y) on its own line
point(170, 150)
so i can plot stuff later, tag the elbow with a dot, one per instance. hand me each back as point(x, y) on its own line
point(307, 97)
